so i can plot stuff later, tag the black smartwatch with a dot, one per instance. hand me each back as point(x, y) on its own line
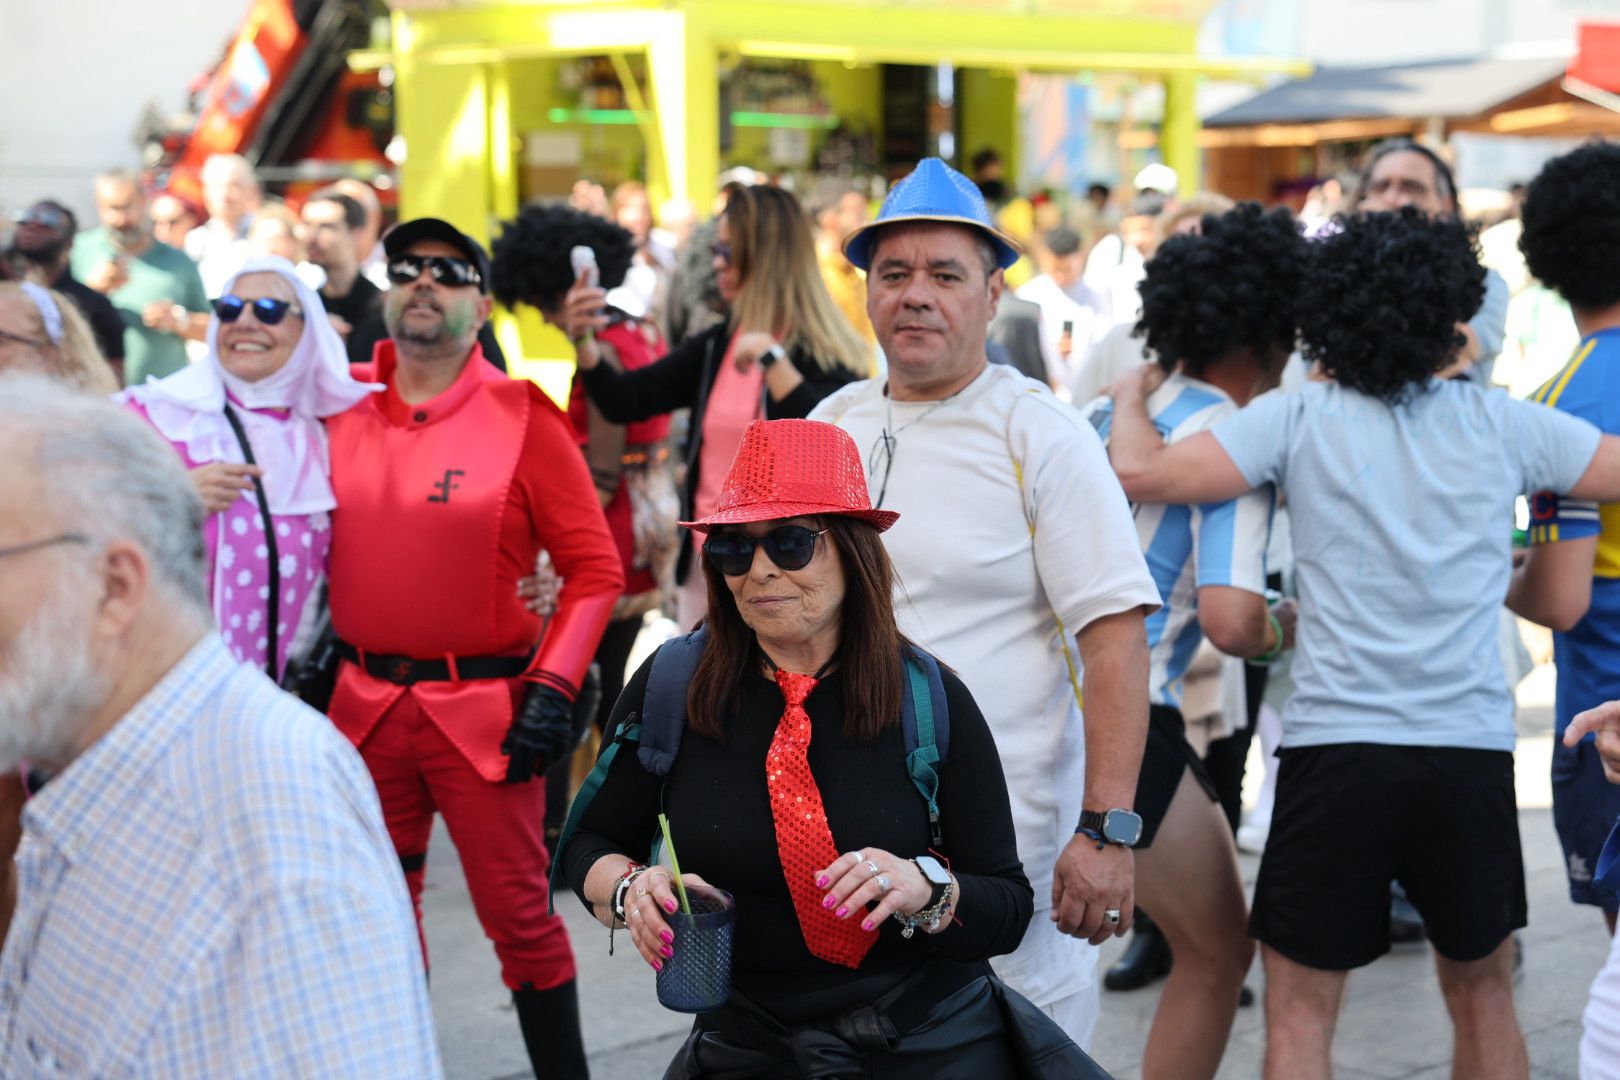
point(937, 876)
point(1122, 827)
point(771, 356)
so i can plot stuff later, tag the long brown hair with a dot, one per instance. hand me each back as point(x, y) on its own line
point(781, 289)
point(869, 643)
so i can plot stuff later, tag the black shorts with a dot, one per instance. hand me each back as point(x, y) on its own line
point(1167, 755)
point(1352, 818)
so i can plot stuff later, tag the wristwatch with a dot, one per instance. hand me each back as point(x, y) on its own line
point(771, 356)
point(937, 876)
point(939, 901)
point(1122, 827)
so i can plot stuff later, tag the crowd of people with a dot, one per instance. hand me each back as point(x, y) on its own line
point(981, 593)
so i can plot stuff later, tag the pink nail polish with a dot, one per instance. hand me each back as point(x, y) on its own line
point(667, 951)
point(668, 938)
point(867, 925)
point(821, 880)
point(841, 912)
point(669, 906)
point(829, 902)
point(657, 966)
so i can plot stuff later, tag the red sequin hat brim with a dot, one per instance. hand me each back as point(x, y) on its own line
point(770, 511)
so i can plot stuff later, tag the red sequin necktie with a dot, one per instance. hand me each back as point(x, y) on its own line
point(804, 840)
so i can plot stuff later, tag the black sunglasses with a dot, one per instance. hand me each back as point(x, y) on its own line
point(790, 547)
point(721, 251)
point(404, 269)
point(45, 217)
point(266, 309)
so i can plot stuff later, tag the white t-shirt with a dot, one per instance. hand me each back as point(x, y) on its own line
point(1013, 535)
point(1080, 305)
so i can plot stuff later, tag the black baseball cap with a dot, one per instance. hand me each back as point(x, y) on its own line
point(406, 233)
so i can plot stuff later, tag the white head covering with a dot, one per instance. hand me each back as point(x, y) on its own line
point(188, 407)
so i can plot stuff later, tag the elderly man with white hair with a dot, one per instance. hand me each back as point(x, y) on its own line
point(205, 887)
point(231, 194)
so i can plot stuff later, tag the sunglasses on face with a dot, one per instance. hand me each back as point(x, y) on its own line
point(404, 269)
point(790, 547)
point(721, 251)
point(267, 310)
point(43, 216)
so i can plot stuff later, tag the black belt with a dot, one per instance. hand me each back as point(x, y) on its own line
point(403, 670)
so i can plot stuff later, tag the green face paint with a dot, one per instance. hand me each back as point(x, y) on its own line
point(460, 319)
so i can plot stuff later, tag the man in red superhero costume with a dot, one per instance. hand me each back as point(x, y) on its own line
point(448, 483)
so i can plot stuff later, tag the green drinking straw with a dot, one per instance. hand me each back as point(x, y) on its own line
point(675, 864)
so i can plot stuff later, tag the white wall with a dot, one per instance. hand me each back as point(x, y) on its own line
point(79, 74)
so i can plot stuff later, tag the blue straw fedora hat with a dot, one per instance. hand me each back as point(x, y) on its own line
point(933, 191)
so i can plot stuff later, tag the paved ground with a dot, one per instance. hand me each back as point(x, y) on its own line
point(1394, 1024)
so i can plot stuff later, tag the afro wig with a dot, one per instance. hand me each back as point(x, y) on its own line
point(1233, 286)
point(1382, 297)
point(531, 263)
point(1571, 237)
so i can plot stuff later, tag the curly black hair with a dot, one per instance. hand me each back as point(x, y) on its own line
point(531, 263)
point(1232, 286)
point(1382, 298)
point(1571, 237)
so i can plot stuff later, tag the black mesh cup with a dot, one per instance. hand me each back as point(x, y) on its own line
point(698, 977)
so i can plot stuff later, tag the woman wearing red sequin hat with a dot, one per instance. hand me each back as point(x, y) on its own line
point(835, 780)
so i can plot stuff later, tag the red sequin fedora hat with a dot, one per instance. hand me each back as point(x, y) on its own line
point(794, 468)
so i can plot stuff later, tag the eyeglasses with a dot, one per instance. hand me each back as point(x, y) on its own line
point(267, 310)
point(404, 269)
point(49, 541)
point(721, 250)
point(790, 547)
point(881, 457)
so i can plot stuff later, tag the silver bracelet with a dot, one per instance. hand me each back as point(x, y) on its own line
point(929, 918)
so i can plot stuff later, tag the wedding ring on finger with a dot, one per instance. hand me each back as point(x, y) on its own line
point(872, 866)
point(1111, 915)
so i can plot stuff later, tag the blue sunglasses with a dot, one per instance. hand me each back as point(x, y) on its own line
point(267, 310)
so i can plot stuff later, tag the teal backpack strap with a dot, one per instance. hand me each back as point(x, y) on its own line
point(629, 731)
point(925, 722)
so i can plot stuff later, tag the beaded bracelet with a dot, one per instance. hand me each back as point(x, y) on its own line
point(1271, 654)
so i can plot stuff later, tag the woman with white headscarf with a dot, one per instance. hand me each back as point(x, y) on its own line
point(247, 422)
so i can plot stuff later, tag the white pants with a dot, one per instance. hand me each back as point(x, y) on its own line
point(1077, 1015)
point(1600, 1041)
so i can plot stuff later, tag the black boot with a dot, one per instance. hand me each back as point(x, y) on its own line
point(550, 1023)
point(1146, 958)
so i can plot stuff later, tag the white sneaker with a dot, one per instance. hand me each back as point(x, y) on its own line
point(1252, 838)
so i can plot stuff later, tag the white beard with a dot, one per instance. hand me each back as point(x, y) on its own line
point(49, 684)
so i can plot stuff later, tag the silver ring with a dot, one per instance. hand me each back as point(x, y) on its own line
point(635, 913)
point(1111, 915)
point(883, 884)
point(872, 866)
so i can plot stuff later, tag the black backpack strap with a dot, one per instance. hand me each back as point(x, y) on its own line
point(272, 634)
point(663, 710)
point(926, 724)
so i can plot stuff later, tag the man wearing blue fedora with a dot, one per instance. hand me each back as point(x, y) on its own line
point(1019, 564)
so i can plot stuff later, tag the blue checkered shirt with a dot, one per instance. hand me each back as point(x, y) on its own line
point(208, 891)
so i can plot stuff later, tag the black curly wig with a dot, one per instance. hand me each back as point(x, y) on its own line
point(1571, 237)
point(1231, 287)
point(1382, 298)
point(531, 255)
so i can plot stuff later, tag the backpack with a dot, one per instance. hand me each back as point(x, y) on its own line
point(925, 725)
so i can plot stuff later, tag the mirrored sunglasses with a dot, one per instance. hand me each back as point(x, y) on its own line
point(267, 310)
point(790, 547)
point(721, 251)
point(46, 217)
point(404, 269)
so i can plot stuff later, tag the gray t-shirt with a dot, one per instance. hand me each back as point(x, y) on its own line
point(1402, 521)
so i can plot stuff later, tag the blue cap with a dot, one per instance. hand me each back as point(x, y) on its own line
point(933, 191)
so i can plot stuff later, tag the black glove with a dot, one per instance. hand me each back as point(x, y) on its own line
point(541, 732)
point(589, 700)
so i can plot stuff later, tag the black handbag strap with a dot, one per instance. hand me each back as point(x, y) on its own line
point(269, 542)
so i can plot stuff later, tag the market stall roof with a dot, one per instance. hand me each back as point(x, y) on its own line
point(1440, 88)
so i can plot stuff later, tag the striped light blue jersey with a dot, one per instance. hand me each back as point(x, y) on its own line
point(1190, 547)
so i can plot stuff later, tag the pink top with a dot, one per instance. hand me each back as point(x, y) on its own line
point(239, 568)
point(735, 401)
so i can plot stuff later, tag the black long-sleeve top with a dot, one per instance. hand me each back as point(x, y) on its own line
point(682, 380)
point(720, 819)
